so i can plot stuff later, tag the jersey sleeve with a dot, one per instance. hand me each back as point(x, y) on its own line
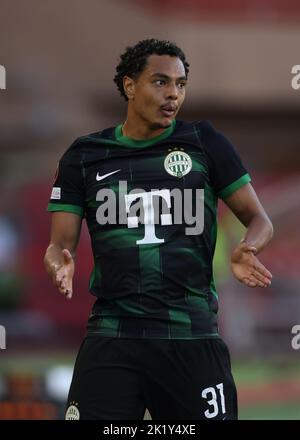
point(226, 170)
point(68, 188)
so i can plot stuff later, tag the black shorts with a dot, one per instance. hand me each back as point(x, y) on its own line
point(117, 378)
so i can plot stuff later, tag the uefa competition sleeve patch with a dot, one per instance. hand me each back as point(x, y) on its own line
point(56, 193)
point(178, 163)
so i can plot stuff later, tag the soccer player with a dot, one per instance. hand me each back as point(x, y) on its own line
point(148, 190)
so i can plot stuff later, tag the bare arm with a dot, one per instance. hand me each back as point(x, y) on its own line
point(60, 254)
point(246, 267)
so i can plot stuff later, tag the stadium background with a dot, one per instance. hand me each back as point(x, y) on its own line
point(60, 58)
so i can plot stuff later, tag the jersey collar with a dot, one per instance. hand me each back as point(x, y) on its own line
point(143, 143)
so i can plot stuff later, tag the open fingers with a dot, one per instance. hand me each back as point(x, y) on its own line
point(252, 282)
point(262, 278)
point(256, 280)
point(249, 283)
point(259, 267)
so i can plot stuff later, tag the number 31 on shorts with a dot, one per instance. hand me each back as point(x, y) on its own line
point(215, 399)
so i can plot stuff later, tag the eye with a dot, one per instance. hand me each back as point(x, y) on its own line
point(160, 82)
point(182, 85)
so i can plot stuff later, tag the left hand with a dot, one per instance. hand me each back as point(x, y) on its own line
point(247, 268)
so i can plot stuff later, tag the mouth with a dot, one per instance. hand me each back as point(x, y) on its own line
point(168, 110)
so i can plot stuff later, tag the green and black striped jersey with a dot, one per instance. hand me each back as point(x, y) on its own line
point(151, 210)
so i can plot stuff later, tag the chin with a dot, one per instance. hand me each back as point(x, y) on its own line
point(164, 123)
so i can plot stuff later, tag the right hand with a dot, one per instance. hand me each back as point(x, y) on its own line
point(62, 274)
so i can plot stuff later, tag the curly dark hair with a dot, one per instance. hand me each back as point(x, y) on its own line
point(134, 59)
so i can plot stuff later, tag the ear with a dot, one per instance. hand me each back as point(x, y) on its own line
point(129, 87)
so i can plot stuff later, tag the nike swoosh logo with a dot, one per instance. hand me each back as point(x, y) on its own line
point(105, 175)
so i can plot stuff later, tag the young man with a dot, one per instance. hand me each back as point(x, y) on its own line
point(148, 189)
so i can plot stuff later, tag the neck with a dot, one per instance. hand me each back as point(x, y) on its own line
point(139, 129)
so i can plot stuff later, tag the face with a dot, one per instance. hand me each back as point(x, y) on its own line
point(156, 96)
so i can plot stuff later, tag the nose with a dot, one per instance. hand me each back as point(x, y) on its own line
point(172, 91)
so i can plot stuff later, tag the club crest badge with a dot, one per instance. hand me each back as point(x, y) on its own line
point(72, 412)
point(178, 163)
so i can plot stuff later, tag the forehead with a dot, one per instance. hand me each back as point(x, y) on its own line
point(165, 64)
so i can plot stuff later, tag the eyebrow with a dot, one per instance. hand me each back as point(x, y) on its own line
point(163, 75)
